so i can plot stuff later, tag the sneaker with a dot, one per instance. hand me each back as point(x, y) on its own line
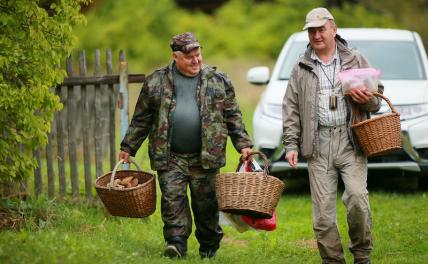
point(207, 254)
point(171, 251)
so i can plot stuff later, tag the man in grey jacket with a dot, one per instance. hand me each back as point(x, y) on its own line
point(317, 126)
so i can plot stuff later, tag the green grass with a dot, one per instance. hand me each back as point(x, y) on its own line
point(57, 232)
point(84, 234)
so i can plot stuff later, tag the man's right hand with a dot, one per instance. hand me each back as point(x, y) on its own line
point(124, 156)
point(292, 157)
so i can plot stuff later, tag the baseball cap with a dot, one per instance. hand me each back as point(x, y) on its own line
point(184, 42)
point(317, 17)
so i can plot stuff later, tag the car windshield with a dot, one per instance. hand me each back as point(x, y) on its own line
point(397, 60)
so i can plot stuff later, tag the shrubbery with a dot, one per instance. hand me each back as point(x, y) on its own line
point(33, 43)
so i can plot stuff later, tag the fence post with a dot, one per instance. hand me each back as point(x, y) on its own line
point(60, 145)
point(123, 97)
point(112, 116)
point(98, 119)
point(72, 149)
point(37, 173)
point(85, 127)
point(49, 166)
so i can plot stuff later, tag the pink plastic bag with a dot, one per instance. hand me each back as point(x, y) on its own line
point(358, 78)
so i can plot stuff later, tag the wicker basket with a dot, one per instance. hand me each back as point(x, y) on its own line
point(135, 202)
point(379, 135)
point(254, 194)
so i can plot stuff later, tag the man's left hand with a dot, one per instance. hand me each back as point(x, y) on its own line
point(245, 152)
point(360, 95)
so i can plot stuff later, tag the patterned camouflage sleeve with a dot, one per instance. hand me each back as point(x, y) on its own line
point(140, 125)
point(233, 118)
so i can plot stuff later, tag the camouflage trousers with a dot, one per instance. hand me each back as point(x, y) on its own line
point(185, 170)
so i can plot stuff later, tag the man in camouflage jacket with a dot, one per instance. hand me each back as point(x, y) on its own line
point(187, 109)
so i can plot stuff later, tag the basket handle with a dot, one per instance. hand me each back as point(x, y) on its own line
point(264, 158)
point(393, 109)
point(113, 174)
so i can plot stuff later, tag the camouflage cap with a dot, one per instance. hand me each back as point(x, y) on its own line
point(184, 42)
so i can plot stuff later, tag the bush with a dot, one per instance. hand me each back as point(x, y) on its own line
point(32, 214)
point(34, 41)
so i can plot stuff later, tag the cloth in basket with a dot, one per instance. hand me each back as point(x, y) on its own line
point(134, 202)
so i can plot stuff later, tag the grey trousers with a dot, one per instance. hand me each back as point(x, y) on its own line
point(337, 157)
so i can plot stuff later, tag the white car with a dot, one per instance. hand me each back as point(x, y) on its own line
point(402, 59)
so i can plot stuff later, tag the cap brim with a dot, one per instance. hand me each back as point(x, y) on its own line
point(191, 46)
point(313, 24)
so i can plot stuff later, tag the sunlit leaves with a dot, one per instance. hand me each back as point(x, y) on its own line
point(34, 40)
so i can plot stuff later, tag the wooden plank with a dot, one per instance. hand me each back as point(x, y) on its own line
point(123, 94)
point(123, 97)
point(38, 183)
point(106, 79)
point(60, 144)
point(98, 119)
point(111, 110)
point(24, 182)
point(49, 166)
point(72, 142)
point(85, 127)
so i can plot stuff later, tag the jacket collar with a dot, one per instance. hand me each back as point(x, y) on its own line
point(346, 56)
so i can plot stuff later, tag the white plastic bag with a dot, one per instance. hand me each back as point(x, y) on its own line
point(250, 166)
point(234, 221)
point(359, 78)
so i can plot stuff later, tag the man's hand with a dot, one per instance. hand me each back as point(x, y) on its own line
point(245, 152)
point(124, 156)
point(292, 157)
point(360, 95)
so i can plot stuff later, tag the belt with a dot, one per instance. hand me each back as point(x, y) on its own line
point(331, 128)
point(185, 155)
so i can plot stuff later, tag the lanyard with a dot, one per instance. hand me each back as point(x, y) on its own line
point(333, 98)
point(334, 74)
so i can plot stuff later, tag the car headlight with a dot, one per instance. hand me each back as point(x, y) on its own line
point(412, 111)
point(272, 110)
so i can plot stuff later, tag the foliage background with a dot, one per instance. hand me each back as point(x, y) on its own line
point(238, 29)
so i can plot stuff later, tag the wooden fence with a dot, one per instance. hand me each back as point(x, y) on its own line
point(85, 128)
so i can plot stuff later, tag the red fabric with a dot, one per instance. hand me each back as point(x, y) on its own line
point(257, 223)
point(261, 224)
point(248, 166)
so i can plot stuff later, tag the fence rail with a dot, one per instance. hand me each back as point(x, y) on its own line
point(86, 126)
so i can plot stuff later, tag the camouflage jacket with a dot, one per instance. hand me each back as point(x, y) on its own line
point(219, 113)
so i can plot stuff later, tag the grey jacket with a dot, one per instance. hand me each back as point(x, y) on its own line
point(300, 103)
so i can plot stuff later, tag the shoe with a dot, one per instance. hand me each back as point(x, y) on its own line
point(207, 254)
point(171, 251)
point(365, 262)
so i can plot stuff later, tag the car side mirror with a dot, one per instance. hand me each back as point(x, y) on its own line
point(258, 75)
